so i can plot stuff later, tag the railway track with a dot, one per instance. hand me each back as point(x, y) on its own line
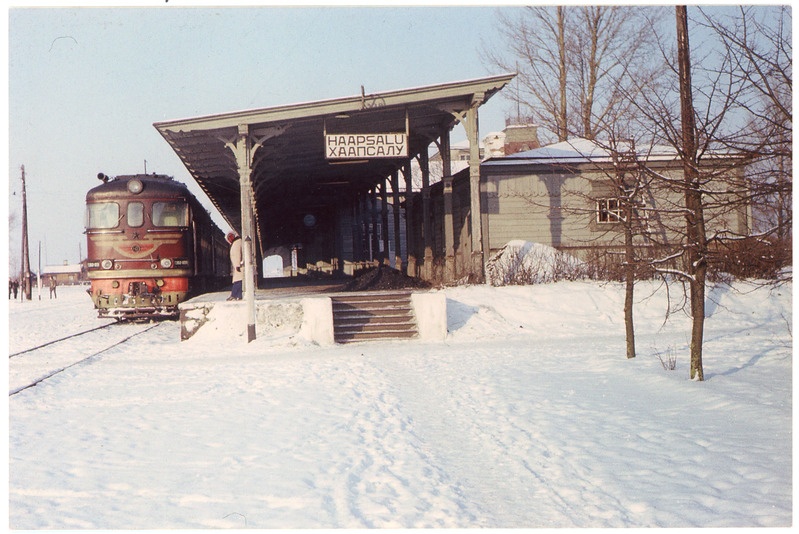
point(53, 342)
point(31, 367)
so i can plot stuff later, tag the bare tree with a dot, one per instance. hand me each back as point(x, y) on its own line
point(534, 44)
point(758, 42)
point(576, 65)
point(721, 115)
point(630, 182)
point(724, 110)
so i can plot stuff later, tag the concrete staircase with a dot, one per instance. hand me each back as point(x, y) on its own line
point(373, 316)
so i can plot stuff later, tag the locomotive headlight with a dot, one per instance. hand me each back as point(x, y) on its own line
point(135, 186)
point(166, 263)
point(106, 264)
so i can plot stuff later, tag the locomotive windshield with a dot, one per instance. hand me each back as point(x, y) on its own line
point(170, 214)
point(135, 213)
point(102, 215)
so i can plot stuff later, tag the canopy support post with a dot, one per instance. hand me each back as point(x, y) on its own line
point(384, 221)
point(471, 125)
point(427, 226)
point(244, 153)
point(449, 231)
point(410, 240)
point(395, 192)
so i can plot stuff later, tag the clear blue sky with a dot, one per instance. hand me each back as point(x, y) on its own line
point(86, 85)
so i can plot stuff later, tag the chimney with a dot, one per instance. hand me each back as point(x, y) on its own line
point(520, 138)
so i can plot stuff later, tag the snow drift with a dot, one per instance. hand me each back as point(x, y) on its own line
point(523, 262)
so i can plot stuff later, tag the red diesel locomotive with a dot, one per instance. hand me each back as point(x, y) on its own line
point(150, 243)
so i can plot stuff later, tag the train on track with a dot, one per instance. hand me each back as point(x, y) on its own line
point(150, 246)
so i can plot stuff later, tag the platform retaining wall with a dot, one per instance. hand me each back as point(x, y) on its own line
point(310, 318)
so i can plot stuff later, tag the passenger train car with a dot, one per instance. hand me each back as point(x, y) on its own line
point(150, 245)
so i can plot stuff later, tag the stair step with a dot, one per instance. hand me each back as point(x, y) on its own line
point(355, 313)
point(373, 336)
point(360, 297)
point(373, 319)
point(373, 316)
point(375, 329)
point(339, 306)
point(371, 305)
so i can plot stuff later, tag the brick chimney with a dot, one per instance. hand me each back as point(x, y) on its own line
point(520, 138)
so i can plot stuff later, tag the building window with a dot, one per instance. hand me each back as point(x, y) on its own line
point(609, 210)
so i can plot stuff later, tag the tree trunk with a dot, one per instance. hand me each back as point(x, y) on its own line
point(695, 225)
point(593, 16)
point(629, 274)
point(563, 124)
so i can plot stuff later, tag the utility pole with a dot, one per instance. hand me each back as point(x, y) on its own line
point(26, 263)
point(39, 274)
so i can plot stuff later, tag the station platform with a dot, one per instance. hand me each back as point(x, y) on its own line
point(320, 311)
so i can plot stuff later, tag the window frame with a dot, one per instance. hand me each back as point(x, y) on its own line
point(612, 214)
point(91, 221)
point(131, 220)
point(158, 219)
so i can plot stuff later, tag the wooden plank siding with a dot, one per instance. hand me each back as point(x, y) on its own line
point(557, 206)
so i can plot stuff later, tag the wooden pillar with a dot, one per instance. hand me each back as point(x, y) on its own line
point(243, 153)
point(475, 215)
point(367, 219)
point(337, 262)
point(373, 237)
point(397, 237)
point(449, 230)
point(427, 226)
point(409, 235)
point(384, 221)
point(363, 227)
point(357, 229)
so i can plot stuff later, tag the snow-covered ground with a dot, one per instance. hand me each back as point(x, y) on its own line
point(529, 415)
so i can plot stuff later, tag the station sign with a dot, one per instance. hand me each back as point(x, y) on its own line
point(371, 145)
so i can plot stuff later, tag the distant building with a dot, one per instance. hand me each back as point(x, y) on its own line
point(513, 139)
point(65, 275)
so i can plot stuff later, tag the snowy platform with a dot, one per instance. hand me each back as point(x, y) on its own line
point(294, 309)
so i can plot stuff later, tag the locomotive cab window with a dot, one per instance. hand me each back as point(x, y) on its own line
point(171, 214)
point(135, 214)
point(102, 215)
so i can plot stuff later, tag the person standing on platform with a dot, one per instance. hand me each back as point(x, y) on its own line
point(236, 266)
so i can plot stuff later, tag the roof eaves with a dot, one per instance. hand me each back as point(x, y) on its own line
point(488, 85)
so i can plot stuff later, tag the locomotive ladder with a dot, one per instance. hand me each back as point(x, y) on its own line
point(373, 316)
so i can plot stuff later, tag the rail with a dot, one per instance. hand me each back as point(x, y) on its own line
point(52, 373)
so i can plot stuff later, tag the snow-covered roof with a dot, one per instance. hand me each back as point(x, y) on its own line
point(464, 145)
point(580, 150)
point(61, 269)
